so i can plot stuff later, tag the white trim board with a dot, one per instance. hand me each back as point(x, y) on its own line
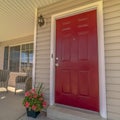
point(34, 52)
point(102, 88)
point(19, 44)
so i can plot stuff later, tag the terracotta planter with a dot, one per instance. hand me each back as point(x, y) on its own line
point(31, 113)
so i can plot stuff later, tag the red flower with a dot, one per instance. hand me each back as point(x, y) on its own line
point(33, 91)
point(34, 100)
point(40, 98)
point(44, 104)
point(34, 107)
point(27, 93)
point(30, 97)
point(35, 96)
point(27, 104)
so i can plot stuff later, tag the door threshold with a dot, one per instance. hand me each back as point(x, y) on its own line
point(63, 112)
point(77, 109)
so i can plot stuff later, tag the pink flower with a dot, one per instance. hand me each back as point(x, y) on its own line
point(41, 99)
point(44, 104)
point(30, 97)
point(27, 104)
point(34, 107)
point(35, 96)
point(33, 91)
point(27, 93)
point(42, 94)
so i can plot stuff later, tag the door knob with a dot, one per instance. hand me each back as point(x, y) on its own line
point(56, 64)
point(56, 58)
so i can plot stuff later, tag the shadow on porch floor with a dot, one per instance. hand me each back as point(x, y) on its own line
point(41, 116)
point(10, 104)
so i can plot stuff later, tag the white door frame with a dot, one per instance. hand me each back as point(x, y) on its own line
point(102, 88)
point(34, 50)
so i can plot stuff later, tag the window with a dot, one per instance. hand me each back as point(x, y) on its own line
point(20, 58)
point(14, 58)
point(26, 57)
point(6, 51)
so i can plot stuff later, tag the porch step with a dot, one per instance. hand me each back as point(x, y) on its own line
point(63, 113)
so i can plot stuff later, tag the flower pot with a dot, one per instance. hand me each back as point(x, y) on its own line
point(32, 113)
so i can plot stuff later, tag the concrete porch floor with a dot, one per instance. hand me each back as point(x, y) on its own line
point(10, 104)
point(41, 116)
point(11, 108)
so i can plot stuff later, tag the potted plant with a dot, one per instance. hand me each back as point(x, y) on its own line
point(34, 101)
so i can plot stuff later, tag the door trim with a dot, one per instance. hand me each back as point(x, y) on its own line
point(34, 50)
point(101, 60)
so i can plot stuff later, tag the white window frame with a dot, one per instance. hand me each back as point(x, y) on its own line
point(102, 88)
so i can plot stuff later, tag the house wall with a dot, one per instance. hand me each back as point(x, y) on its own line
point(111, 9)
point(17, 41)
point(112, 56)
point(43, 38)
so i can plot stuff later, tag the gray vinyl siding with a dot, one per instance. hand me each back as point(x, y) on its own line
point(111, 9)
point(112, 55)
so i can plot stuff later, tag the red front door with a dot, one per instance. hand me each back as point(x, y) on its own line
point(76, 80)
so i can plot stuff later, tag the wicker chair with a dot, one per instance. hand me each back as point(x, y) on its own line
point(4, 77)
point(23, 82)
